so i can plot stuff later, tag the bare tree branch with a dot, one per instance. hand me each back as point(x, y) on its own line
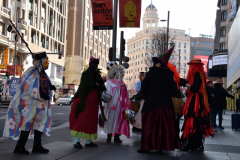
point(156, 47)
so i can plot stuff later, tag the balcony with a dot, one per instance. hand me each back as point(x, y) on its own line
point(5, 12)
point(21, 23)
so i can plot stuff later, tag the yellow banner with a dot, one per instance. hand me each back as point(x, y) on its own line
point(3, 66)
point(5, 60)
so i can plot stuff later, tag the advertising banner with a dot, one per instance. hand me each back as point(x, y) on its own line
point(204, 60)
point(5, 59)
point(11, 68)
point(13, 85)
point(102, 12)
point(19, 69)
point(130, 13)
point(220, 60)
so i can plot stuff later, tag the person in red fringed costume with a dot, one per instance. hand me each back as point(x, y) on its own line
point(196, 110)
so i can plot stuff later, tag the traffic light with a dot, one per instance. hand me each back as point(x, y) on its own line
point(6, 75)
point(123, 57)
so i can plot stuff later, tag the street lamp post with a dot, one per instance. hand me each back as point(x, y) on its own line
point(166, 48)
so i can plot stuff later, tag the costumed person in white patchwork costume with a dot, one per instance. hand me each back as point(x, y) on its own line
point(114, 111)
point(30, 108)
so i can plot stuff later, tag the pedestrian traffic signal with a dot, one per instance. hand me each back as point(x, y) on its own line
point(123, 57)
point(6, 75)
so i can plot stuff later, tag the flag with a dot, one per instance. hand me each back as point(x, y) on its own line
point(130, 13)
point(102, 12)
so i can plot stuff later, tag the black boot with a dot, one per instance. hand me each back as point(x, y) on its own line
point(109, 138)
point(117, 139)
point(20, 147)
point(37, 144)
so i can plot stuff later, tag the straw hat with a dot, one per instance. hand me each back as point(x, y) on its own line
point(195, 61)
point(219, 81)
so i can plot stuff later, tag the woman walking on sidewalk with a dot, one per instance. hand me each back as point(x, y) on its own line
point(159, 129)
point(116, 123)
point(83, 117)
point(30, 108)
point(196, 110)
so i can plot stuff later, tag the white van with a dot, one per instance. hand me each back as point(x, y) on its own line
point(4, 91)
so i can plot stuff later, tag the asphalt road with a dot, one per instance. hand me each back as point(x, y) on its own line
point(60, 115)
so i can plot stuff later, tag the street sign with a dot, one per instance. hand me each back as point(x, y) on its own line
point(13, 86)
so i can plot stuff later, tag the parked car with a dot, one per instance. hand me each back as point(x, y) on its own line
point(66, 100)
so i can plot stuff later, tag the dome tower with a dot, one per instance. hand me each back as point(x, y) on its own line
point(150, 17)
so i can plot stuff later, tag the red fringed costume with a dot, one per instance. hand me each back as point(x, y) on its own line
point(196, 110)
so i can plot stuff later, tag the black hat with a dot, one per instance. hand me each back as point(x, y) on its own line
point(40, 55)
point(164, 58)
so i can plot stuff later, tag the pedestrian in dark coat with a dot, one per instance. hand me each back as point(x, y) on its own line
point(220, 95)
point(159, 130)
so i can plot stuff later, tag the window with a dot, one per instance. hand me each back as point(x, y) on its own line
point(192, 44)
point(224, 15)
point(96, 32)
point(33, 36)
point(30, 5)
point(184, 64)
point(91, 37)
point(179, 44)
point(35, 22)
point(86, 34)
point(87, 10)
point(224, 2)
point(146, 54)
point(100, 44)
point(43, 26)
point(91, 27)
point(47, 41)
point(185, 45)
point(179, 50)
point(142, 54)
point(43, 11)
point(95, 41)
point(43, 41)
point(146, 47)
point(147, 41)
point(86, 23)
point(222, 46)
point(184, 50)
point(152, 47)
point(223, 32)
point(30, 19)
point(152, 55)
point(185, 58)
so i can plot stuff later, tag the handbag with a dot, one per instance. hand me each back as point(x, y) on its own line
point(178, 105)
point(134, 105)
point(106, 97)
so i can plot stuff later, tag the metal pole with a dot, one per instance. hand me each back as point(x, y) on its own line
point(121, 54)
point(179, 60)
point(167, 29)
point(114, 36)
point(14, 70)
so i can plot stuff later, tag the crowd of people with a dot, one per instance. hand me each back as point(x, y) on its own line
point(29, 113)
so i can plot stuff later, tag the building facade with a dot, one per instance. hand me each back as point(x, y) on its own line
point(47, 23)
point(43, 26)
point(218, 64)
point(83, 42)
point(201, 46)
point(141, 48)
point(8, 10)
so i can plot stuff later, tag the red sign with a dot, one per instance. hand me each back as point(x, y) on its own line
point(3, 71)
point(133, 91)
point(11, 68)
point(102, 11)
point(204, 60)
point(19, 69)
point(130, 13)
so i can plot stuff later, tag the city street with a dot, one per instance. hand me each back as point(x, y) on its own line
point(224, 146)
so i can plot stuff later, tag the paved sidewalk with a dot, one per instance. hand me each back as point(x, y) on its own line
point(224, 146)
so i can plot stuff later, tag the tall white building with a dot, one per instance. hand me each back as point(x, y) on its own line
point(142, 46)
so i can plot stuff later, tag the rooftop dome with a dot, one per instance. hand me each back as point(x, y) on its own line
point(151, 6)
